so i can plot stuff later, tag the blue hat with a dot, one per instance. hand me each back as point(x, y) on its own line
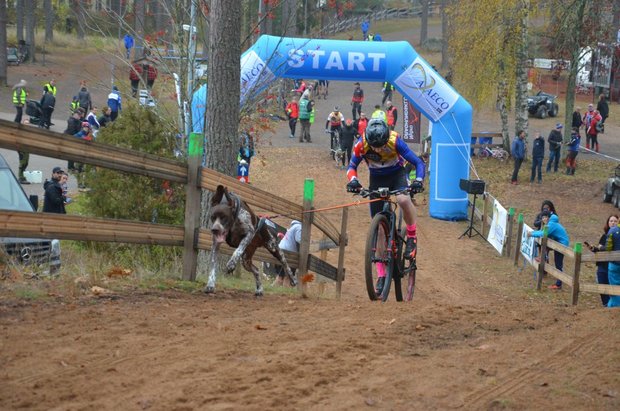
point(559, 125)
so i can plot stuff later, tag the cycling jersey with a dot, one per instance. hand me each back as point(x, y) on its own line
point(385, 160)
point(335, 119)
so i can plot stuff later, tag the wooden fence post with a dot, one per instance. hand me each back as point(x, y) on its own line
point(193, 194)
point(306, 226)
point(541, 264)
point(577, 271)
point(484, 214)
point(511, 221)
point(519, 235)
point(341, 250)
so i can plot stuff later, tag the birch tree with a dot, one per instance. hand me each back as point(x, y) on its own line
point(30, 8)
point(49, 20)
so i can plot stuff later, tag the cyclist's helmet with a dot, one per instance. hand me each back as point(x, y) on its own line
point(377, 132)
point(336, 109)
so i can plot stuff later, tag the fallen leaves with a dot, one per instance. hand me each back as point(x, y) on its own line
point(307, 278)
point(119, 272)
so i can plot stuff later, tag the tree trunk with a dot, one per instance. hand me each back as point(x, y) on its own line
point(444, 34)
point(289, 18)
point(521, 114)
point(80, 15)
point(49, 20)
point(222, 141)
point(502, 107)
point(575, 54)
point(19, 19)
point(138, 26)
point(3, 62)
point(424, 22)
point(31, 23)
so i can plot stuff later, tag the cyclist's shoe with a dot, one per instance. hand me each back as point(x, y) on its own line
point(379, 286)
point(411, 248)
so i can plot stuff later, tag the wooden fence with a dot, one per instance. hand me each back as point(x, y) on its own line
point(192, 237)
point(574, 258)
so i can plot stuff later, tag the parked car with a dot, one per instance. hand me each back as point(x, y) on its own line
point(611, 194)
point(41, 254)
point(542, 105)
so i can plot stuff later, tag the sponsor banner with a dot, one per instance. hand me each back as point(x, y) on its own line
point(603, 65)
point(528, 246)
point(411, 122)
point(497, 232)
point(255, 75)
point(431, 93)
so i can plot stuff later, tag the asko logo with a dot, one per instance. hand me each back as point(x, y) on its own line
point(254, 73)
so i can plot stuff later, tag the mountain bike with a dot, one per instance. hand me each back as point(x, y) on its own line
point(385, 243)
point(334, 144)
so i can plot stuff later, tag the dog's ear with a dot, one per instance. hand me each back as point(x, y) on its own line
point(220, 191)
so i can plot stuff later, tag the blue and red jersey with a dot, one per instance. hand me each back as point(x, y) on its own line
point(385, 160)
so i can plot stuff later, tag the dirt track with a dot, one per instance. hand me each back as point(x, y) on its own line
point(476, 336)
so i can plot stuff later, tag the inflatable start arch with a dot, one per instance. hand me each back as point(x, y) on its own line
point(394, 61)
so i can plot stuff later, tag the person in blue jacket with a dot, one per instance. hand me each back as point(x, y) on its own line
point(613, 271)
point(518, 153)
point(128, 40)
point(365, 26)
point(556, 232)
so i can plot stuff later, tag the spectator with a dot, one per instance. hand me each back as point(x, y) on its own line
point(555, 144)
point(292, 112)
point(74, 124)
point(114, 103)
point(305, 108)
point(556, 232)
point(587, 118)
point(518, 153)
point(20, 94)
point(602, 107)
point(347, 138)
point(300, 86)
point(290, 242)
point(91, 117)
point(613, 268)
point(388, 88)
point(546, 205)
point(54, 201)
point(538, 154)
point(75, 103)
point(577, 119)
point(246, 148)
point(392, 115)
point(602, 266)
point(85, 133)
point(377, 37)
point(151, 76)
point(361, 124)
point(593, 128)
point(573, 150)
point(128, 40)
point(65, 188)
point(365, 26)
point(357, 100)
point(84, 97)
point(51, 87)
point(135, 75)
point(48, 102)
point(378, 113)
point(106, 116)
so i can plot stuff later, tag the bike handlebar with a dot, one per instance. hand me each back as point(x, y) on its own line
point(383, 192)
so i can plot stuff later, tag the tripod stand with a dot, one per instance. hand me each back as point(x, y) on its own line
point(471, 229)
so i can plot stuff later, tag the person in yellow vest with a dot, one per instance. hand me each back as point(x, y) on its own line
point(378, 113)
point(51, 87)
point(19, 101)
point(392, 115)
point(75, 103)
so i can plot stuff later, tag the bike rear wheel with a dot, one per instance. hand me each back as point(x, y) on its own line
point(377, 251)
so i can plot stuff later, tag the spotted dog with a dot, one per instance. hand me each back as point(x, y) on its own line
point(233, 222)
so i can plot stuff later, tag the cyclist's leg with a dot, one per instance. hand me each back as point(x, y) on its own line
point(409, 213)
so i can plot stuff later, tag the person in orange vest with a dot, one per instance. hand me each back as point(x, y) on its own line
point(392, 115)
point(292, 112)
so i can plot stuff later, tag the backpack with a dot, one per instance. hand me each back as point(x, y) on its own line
point(599, 127)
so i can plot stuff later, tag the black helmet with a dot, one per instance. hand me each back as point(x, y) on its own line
point(377, 132)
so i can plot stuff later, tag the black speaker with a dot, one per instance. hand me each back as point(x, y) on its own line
point(472, 186)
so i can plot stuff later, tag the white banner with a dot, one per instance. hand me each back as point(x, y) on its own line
point(254, 74)
point(527, 244)
point(497, 232)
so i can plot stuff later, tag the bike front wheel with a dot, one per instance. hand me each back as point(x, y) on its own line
point(377, 252)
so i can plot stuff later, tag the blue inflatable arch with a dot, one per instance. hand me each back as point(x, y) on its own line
point(394, 61)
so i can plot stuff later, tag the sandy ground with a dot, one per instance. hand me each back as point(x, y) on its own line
point(476, 336)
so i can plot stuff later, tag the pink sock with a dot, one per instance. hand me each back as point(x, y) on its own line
point(380, 270)
point(411, 230)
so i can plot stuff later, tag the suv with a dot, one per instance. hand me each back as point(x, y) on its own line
point(38, 253)
point(542, 105)
point(611, 194)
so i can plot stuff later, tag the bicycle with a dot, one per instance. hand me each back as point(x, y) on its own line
point(334, 144)
point(385, 243)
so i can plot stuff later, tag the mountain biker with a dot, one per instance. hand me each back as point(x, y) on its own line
point(384, 152)
point(334, 122)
